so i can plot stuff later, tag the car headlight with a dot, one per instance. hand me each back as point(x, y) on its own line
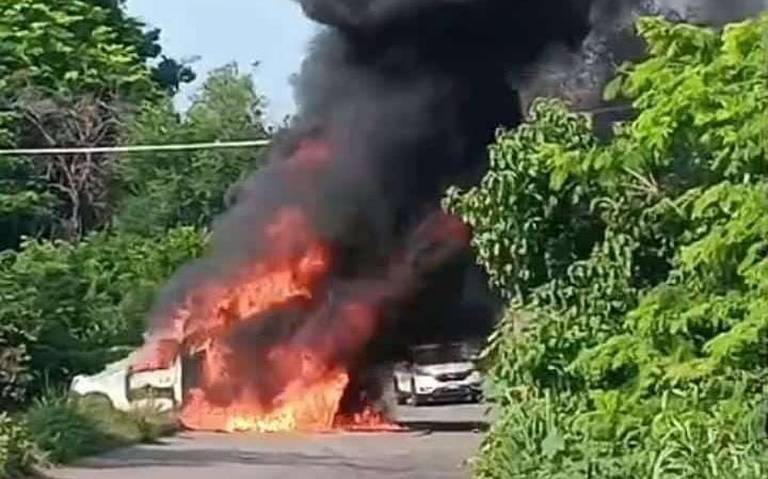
point(424, 383)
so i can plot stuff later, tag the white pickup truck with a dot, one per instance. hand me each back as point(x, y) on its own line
point(126, 389)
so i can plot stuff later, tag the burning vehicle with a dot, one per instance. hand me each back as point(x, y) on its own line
point(438, 373)
point(126, 389)
point(336, 257)
point(159, 389)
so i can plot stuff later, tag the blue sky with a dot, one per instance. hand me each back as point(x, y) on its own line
point(272, 32)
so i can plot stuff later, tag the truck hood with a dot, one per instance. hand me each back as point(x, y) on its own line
point(120, 366)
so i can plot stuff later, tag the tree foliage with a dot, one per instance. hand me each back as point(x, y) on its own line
point(68, 45)
point(81, 183)
point(69, 71)
point(80, 45)
point(190, 188)
point(636, 340)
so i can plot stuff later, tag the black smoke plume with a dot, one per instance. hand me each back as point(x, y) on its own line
point(397, 99)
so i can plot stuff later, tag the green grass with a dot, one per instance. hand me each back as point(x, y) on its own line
point(70, 428)
point(57, 429)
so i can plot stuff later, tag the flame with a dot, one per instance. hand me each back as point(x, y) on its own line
point(309, 402)
point(368, 420)
point(295, 262)
point(307, 407)
point(286, 387)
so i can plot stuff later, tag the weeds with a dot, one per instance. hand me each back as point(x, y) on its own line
point(18, 453)
point(58, 429)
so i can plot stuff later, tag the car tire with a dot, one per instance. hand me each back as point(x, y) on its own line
point(401, 397)
point(413, 398)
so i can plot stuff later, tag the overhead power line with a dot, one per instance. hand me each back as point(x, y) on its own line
point(219, 145)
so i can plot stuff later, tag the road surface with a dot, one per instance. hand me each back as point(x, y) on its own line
point(439, 442)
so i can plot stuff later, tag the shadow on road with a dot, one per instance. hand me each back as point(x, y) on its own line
point(445, 426)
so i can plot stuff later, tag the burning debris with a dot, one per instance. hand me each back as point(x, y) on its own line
point(336, 256)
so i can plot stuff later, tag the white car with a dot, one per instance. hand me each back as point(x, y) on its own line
point(438, 372)
point(126, 390)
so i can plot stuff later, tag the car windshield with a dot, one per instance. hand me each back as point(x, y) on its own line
point(451, 353)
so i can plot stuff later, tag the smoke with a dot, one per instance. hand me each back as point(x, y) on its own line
point(715, 12)
point(338, 247)
point(580, 76)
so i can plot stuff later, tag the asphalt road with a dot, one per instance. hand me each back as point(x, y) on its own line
point(437, 445)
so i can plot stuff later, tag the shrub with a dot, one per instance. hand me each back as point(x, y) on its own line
point(18, 454)
point(66, 308)
point(636, 339)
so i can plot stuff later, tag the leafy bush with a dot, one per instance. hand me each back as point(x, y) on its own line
point(67, 308)
point(18, 453)
point(636, 340)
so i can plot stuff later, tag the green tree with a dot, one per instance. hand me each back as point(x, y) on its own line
point(78, 45)
point(637, 346)
point(66, 56)
point(81, 182)
point(168, 73)
point(68, 45)
point(190, 188)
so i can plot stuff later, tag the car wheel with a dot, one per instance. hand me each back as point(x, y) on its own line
point(413, 399)
point(402, 398)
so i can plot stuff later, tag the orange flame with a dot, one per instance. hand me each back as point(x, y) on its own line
point(368, 420)
point(309, 403)
point(310, 389)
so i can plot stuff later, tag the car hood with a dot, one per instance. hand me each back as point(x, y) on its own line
point(435, 369)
